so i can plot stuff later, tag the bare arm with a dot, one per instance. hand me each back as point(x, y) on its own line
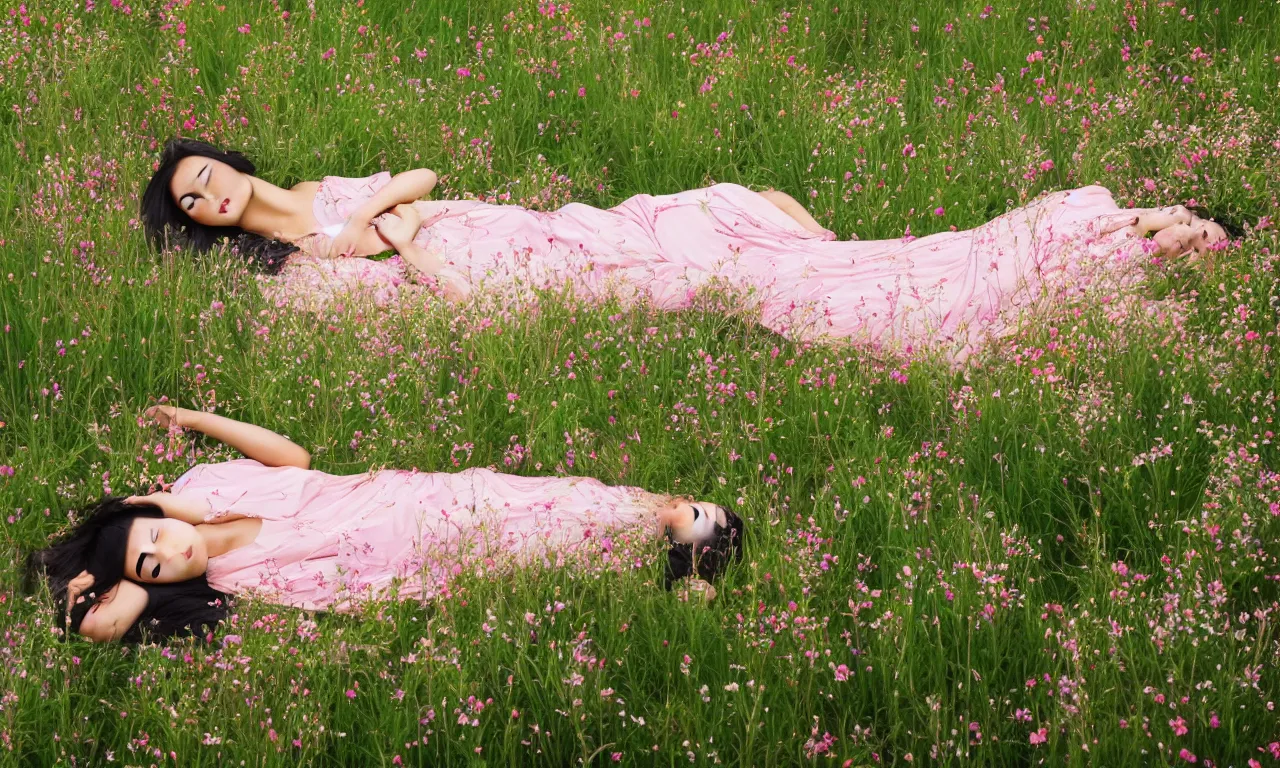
point(454, 287)
point(404, 188)
point(114, 613)
point(261, 445)
point(398, 228)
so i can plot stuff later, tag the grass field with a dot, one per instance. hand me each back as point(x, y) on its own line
point(1066, 553)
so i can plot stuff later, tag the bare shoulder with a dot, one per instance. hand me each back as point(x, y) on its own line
point(305, 186)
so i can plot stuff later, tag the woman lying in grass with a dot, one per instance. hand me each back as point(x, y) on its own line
point(951, 290)
point(271, 527)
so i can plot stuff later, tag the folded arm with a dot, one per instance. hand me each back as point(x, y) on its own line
point(399, 227)
point(403, 188)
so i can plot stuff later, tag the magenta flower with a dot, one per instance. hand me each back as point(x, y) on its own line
point(327, 55)
point(464, 72)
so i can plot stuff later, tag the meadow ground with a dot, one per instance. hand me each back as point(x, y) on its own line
point(1065, 554)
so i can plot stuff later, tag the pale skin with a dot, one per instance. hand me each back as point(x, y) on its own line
point(1178, 231)
point(177, 546)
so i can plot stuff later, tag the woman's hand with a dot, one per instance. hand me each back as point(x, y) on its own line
point(184, 508)
point(164, 415)
point(694, 587)
point(400, 226)
point(77, 587)
point(345, 243)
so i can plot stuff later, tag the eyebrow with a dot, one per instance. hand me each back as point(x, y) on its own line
point(194, 179)
point(138, 568)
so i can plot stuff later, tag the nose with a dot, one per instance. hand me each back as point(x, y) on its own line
point(167, 550)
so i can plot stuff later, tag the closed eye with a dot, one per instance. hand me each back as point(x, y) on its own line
point(154, 535)
point(155, 574)
point(696, 514)
point(192, 204)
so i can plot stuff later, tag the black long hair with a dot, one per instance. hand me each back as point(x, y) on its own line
point(709, 559)
point(164, 220)
point(97, 545)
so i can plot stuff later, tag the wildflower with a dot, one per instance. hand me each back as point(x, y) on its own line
point(327, 55)
point(1040, 736)
point(464, 72)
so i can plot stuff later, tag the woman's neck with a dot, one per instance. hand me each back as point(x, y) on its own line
point(273, 211)
point(221, 538)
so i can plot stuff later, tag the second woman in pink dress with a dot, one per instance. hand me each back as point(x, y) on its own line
point(271, 527)
point(950, 291)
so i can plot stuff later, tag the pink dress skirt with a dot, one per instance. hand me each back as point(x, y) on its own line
point(951, 292)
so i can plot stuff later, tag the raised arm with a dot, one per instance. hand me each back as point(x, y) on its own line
point(261, 445)
point(113, 613)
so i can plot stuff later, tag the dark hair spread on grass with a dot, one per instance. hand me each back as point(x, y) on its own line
point(165, 220)
point(710, 559)
point(97, 545)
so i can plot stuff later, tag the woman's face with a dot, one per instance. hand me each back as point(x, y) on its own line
point(211, 192)
point(693, 522)
point(114, 613)
point(162, 550)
